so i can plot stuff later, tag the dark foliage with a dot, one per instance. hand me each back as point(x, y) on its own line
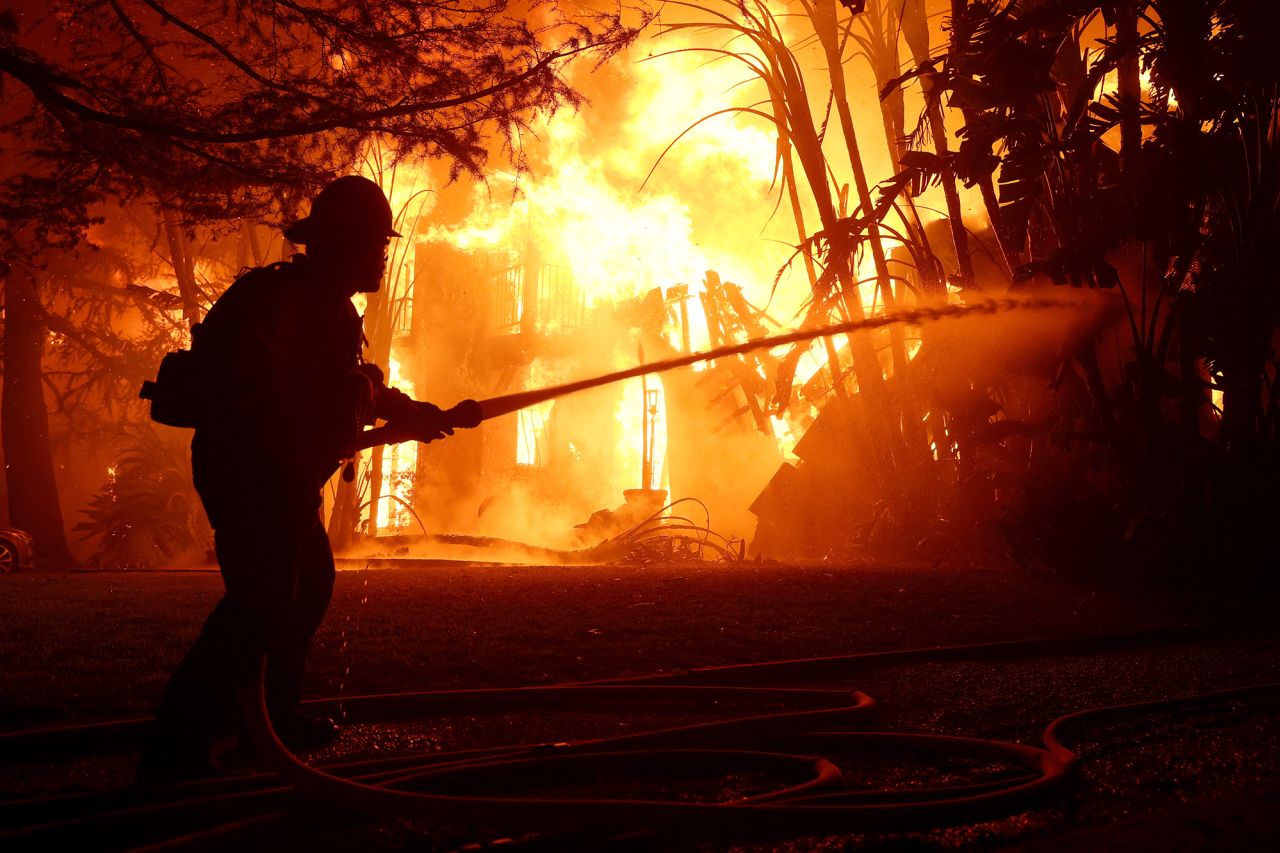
point(1169, 194)
point(217, 107)
point(147, 514)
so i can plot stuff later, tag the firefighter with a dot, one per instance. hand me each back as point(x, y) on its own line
point(287, 395)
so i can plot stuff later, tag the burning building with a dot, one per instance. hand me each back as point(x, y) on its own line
point(615, 247)
point(479, 322)
point(583, 265)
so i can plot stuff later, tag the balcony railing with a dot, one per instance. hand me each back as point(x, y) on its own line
point(560, 303)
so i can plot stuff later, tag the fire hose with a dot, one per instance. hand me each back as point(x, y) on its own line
point(471, 413)
point(795, 738)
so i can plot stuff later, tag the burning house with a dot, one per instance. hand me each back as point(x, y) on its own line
point(584, 264)
point(615, 248)
point(478, 322)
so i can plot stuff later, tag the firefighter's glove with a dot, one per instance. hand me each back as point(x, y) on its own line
point(392, 404)
point(415, 429)
point(421, 422)
point(426, 422)
point(465, 415)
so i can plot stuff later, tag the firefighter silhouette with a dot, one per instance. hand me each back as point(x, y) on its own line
point(280, 395)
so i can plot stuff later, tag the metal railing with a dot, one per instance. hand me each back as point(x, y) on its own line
point(560, 303)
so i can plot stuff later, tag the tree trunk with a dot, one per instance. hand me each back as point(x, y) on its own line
point(255, 248)
point(866, 364)
point(955, 214)
point(884, 26)
point(1129, 85)
point(793, 195)
point(184, 268)
point(24, 423)
point(915, 30)
point(826, 26)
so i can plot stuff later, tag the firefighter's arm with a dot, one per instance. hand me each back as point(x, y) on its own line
point(408, 419)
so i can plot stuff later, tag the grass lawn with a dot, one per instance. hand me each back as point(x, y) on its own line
point(94, 646)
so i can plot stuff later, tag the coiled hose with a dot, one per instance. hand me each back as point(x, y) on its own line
point(778, 733)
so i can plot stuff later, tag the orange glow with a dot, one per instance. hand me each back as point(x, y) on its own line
point(629, 416)
point(534, 423)
point(589, 211)
point(633, 194)
point(399, 470)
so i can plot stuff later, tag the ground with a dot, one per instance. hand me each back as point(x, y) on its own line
point(97, 646)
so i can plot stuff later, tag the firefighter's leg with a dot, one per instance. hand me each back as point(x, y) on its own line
point(287, 661)
point(311, 601)
point(258, 563)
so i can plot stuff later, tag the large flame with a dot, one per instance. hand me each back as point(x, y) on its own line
point(586, 204)
point(648, 187)
point(591, 205)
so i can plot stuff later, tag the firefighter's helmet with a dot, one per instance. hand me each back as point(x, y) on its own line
point(349, 207)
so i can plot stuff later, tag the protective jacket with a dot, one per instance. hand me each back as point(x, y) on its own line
point(280, 352)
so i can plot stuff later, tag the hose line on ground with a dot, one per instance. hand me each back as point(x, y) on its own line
point(805, 748)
